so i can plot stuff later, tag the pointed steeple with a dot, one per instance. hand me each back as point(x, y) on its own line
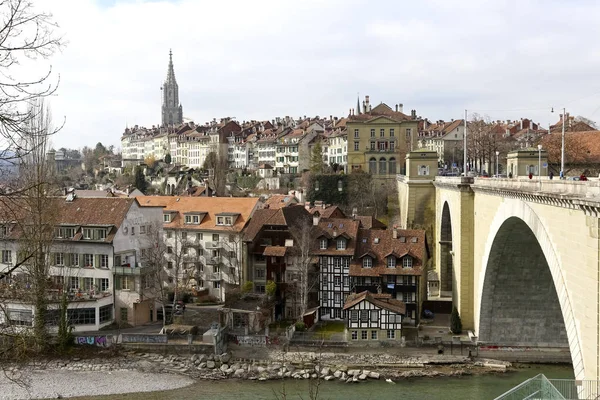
point(171, 70)
point(358, 104)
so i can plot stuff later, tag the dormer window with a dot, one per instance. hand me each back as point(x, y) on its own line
point(341, 244)
point(367, 262)
point(407, 262)
point(391, 262)
point(192, 219)
point(323, 244)
point(87, 233)
point(166, 218)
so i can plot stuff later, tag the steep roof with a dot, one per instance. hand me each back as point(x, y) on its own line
point(370, 222)
point(243, 207)
point(280, 200)
point(380, 301)
point(379, 244)
point(286, 216)
point(332, 228)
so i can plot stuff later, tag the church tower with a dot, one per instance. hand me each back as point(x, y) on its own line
point(172, 112)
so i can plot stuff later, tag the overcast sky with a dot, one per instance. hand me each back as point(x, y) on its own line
point(262, 59)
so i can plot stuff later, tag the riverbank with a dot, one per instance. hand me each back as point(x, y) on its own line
point(133, 372)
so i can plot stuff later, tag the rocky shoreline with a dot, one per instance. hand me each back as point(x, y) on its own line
point(277, 365)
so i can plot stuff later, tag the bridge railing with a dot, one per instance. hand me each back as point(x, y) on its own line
point(540, 387)
point(555, 186)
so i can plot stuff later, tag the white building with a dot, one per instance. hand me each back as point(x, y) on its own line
point(204, 239)
point(338, 149)
point(95, 258)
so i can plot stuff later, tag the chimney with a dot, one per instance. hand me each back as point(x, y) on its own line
point(307, 205)
point(316, 218)
point(521, 126)
point(413, 114)
point(354, 212)
point(395, 232)
point(400, 107)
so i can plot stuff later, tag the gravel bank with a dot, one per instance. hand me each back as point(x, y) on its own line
point(50, 384)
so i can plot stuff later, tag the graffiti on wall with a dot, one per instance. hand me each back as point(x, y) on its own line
point(100, 341)
point(143, 338)
point(256, 340)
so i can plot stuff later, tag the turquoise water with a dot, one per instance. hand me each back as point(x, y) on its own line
point(466, 387)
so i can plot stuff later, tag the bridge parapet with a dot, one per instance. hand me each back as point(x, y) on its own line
point(576, 189)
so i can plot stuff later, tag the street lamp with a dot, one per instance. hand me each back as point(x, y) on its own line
point(497, 154)
point(562, 147)
point(539, 162)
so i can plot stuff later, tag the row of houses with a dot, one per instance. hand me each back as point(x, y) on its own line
point(317, 256)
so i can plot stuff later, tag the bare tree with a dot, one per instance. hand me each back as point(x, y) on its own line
point(305, 277)
point(154, 283)
point(25, 34)
point(217, 167)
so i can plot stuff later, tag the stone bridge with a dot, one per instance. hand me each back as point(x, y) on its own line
point(520, 258)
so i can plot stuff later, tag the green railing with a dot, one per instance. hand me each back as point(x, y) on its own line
point(539, 387)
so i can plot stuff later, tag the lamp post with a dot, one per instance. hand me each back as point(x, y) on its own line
point(539, 162)
point(497, 154)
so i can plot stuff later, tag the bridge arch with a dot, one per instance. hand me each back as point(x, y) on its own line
point(521, 279)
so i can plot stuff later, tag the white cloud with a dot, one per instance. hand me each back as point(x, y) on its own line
point(261, 59)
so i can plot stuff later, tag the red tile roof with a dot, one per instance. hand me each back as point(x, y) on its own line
point(384, 302)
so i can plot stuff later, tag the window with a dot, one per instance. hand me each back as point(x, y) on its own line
point(195, 219)
point(88, 260)
point(372, 146)
point(372, 166)
point(88, 284)
point(260, 273)
point(166, 217)
point(364, 316)
point(337, 280)
point(367, 262)
point(143, 229)
point(103, 284)
point(372, 132)
point(341, 244)
point(219, 220)
point(354, 335)
point(354, 316)
point(423, 170)
point(337, 297)
point(169, 249)
point(356, 133)
point(382, 132)
point(407, 262)
point(391, 262)
point(216, 285)
point(123, 313)
point(391, 334)
point(215, 237)
point(73, 282)
point(198, 236)
point(188, 219)
point(408, 133)
point(356, 146)
point(126, 282)
point(392, 146)
point(183, 235)
point(133, 230)
point(381, 146)
point(103, 261)
point(69, 232)
point(391, 132)
point(228, 220)
point(382, 166)
point(102, 233)
point(185, 250)
point(20, 317)
point(373, 335)
point(364, 335)
point(374, 316)
point(170, 264)
point(74, 259)
point(392, 164)
point(58, 233)
point(105, 313)
point(6, 256)
point(87, 233)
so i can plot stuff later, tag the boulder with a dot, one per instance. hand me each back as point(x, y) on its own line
point(343, 368)
point(201, 358)
point(210, 364)
point(337, 373)
point(314, 376)
point(325, 371)
point(211, 357)
point(362, 377)
point(354, 372)
point(261, 369)
point(328, 377)
point(238, 373)
point(202, 365)
point(224, 367)
point(354, 379)
point(225, 357)
point(306, 375)
point(373, 375)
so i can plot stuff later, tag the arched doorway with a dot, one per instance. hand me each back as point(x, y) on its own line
point(446, 254)
point(519, 301)
point(382, 166)
point(392, 163)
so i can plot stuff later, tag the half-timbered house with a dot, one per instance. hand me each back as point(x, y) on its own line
point(374, 317)
point(393, 262)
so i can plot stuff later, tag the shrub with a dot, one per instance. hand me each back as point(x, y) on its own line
point(455, 322)
point(271, 288)
point(247, 287)
point(300, 327)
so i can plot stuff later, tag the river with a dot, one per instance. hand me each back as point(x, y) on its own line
point(466, 387)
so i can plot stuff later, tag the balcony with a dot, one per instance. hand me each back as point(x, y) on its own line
point(212, 245)
point(215, 276)
point(127, 270)
point(212, 260)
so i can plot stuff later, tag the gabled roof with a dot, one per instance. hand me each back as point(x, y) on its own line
point(280, 200)
point(286, 216)
point(396, 306)
point(332, 228)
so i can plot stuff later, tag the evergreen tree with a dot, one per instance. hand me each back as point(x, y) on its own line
point(168, 159)
point(140, 180)
point(316, 159)
point(455, 322)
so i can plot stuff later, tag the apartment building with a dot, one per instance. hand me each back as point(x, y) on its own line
point(204, 240)
point(95, 257)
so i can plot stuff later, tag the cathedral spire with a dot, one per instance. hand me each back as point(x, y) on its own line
point(172, 111)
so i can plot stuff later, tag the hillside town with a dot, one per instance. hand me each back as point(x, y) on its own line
point(288, 231)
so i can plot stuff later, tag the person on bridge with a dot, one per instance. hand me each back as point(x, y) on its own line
point(530, 175)
point(551, 175)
